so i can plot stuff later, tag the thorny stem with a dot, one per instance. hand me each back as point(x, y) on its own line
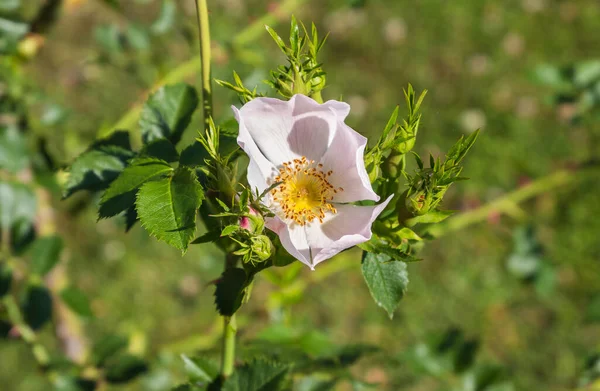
point(229, 323)
point(508, 202)
point(188, 68)
point(204, 35)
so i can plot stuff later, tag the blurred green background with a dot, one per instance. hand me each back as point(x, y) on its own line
point(524, 285)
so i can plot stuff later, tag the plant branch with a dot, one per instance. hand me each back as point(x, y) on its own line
point(189, 68)
point(508, 203)
point(205, 68)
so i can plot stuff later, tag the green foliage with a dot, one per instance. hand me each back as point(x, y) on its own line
point(451, 355)
point(257, 375)
point(5, 278)
point(527, 261)
point(96, 168)
point(243, 93)
point(107, 347)
point(168, 112)
point(77, 301)
point(590, 379)
point(161, 149)
point(200, 369)
point(37, 306)
point(167, 207)
point(386, 278)
point(304, 74)
point(45, 254)
point(230, 291)
point(11, 31)
point(13, 150)
point(124, 368)
point(17, 204)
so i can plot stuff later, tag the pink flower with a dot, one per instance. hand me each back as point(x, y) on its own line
point(318, 161)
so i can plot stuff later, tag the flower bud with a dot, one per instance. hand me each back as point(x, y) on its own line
point(261, 247)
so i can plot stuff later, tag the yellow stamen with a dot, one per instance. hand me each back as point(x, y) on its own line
point(305, 192)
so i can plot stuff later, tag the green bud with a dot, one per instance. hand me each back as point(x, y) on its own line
point(408, 138)
point(262, 247)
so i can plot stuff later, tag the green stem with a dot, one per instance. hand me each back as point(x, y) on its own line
point(16, 318)
point(204, 34)
point(507, 203)
point(228, 358)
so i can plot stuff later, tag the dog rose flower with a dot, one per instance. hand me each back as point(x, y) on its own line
point(318, 162)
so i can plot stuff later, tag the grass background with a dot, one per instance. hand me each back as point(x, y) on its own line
point(476, 58)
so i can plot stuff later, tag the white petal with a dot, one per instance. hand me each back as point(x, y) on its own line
point(345, 157)
point(286, 130)
point(342, 109)
point(293, 239)
point(316, 242)
point(259, 168)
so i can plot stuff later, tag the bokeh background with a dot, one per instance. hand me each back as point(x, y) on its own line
point(523, 281)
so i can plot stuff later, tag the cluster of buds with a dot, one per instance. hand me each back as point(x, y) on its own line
point(304, 74)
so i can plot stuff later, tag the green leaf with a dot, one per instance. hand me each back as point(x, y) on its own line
point(77, 301)
point(9, 5)
point(431, 217)
point(10, 34)
point(140, 171)
point(407, 233)
point(161, 149)
point(210, 236)
point(107, 347)
point(227, 231)
point(137, 37)
point(166, 18)
point(45, 254)
point(37, 306)
point(17, 204)
point(124, 368)
point(229, 292)
point(257, 375)
point(200, 369)
point(117, 204)
point(194, 155)
point(387, 280)
point(168, 112)
point(167, 207)
point(5, 278)
point(13, 150)
point(96, 168)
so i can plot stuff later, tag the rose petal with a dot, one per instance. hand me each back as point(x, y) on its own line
point(283, 131)
point(259, 168)
point(316, 242)
point(345, 157)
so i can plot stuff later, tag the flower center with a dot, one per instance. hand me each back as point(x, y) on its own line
point(304, 192)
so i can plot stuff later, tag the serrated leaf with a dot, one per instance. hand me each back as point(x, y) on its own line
point(194, 155)
point(45, 254)
point(161, 149)
point(37, 306)
point(117, 204)
point(77, 301)
point(131, 217)
point(17, 204)
point(95, 169)
point(124, 368)
point(200, 369)
point(140, 171)
point(13, 150)
point(386, 279)
point(167, 207)
point(168, 112)
point(229, 292)
point(257, 375)
point(5, 278)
